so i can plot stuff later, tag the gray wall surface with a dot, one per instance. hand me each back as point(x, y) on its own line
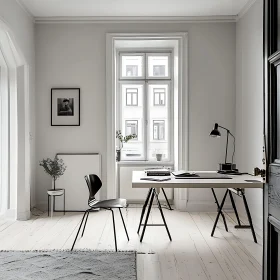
point(73, 55)
point(249, 102)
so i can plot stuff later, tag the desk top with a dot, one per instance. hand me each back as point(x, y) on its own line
point(237, 181)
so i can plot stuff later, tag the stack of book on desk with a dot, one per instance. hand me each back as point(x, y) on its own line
point(158, 172)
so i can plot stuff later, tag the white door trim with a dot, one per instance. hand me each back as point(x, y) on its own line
point(18, 161)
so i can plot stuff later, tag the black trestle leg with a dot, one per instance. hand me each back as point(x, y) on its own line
point(219, 213)
point(144, 209)
point(218, 207)
point(162, 215)
point(114, 226)
point(78, 231)
point(249, 218)
point(85, 223)
point(234, 208)
point(124, 224)
point(148, 214)
point(163, 191)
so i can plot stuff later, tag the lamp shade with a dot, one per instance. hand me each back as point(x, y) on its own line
point(215, 132)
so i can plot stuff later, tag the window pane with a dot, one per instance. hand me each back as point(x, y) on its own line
point(158, 66)
point(158, 125)
point(131, 114)
point(159, 130)
point(131, 127)
point(132, 66)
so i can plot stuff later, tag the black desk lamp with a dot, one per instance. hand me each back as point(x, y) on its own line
point(227, 166)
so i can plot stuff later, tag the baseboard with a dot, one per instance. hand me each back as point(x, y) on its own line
point(42, 205)
point(23, 216)
point(205, 206)
point(9, 214)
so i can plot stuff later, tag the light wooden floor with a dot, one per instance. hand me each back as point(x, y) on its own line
point(193, 253)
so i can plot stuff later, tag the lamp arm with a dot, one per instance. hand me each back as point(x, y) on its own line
point(228, 132)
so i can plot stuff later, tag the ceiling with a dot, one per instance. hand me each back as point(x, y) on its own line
point(131, 8)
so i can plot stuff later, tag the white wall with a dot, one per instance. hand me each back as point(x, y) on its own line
point(249, 102)
point(22, 33)
point(73, 55)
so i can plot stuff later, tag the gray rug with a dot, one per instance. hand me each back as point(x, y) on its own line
point(62, 265)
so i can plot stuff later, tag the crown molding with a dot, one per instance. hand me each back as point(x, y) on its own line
point(25, 9)
point(136, 19)
point(245, 9)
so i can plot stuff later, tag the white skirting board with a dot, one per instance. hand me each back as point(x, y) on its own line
point(76, 190)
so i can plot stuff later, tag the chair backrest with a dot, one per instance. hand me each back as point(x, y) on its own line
point(94, 185)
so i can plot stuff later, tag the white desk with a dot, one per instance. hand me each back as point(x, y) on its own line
point(239, 182)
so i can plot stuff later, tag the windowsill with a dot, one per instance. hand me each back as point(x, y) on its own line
point(142, 163)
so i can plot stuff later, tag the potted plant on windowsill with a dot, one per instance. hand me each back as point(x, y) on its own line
point(122, 139)
point(55, 168)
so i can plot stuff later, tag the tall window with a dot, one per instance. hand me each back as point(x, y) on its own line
point(144, 104)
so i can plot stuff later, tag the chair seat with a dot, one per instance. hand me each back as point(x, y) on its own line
point(110, 203)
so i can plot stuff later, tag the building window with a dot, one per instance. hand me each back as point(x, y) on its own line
point(159, 130)
point(159, 97)
point(131, 70)
point(131, 127)
point(131, 97)
point(144, 101)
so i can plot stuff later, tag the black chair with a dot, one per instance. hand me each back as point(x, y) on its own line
point(94, 184)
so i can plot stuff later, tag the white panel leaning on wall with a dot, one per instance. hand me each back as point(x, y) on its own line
point(76, 190)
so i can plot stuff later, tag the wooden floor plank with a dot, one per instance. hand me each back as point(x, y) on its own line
point(192, 255)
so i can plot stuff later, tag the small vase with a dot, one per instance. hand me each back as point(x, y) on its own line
point(118, 155)
point(159, 157)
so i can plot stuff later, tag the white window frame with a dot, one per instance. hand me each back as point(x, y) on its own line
point(179, 42)
point(145, 81)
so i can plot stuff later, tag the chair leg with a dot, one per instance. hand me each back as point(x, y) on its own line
point(114, 229)
point(52, 205)
point(48, 205)
point(78, 231)
point(64, 202)
point(85, 223)
point(124, 224)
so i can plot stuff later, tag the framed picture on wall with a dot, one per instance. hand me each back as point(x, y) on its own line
point(65, 106)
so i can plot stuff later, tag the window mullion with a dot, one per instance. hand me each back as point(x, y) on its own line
point(146, 124)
